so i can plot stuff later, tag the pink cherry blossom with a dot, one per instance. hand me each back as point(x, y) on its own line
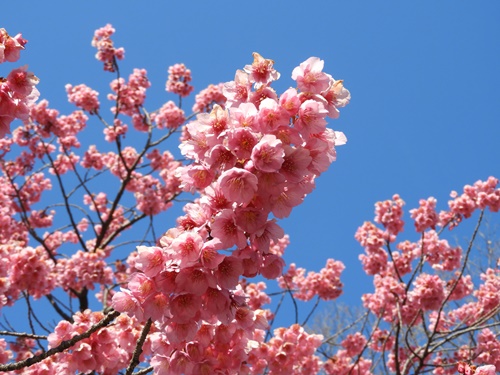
point(185, 307)
point(290, 101)
point(238, 185)
point(224, 228)
point(271, 116)
point(295, 165)
point(228, 272)
point(488, 351)
point(10, 47)
point(188, 248)
point(22, 83)
point(251, 220)
point(129, 96)
point(221, 158)
point(486, 370)
point(261, 72)
point(150, 260)
point(249, 153)
point(309, 76)
point(311, 118)
point(428, 292)
point(241, 141)
point(337, 96)
point(237, 91)
point(268, 154)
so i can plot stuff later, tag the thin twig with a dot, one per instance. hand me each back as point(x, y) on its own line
point(143, 372)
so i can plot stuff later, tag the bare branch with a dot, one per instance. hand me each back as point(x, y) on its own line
point(138, 349)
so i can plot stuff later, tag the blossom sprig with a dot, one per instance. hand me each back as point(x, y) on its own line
point(106, 51)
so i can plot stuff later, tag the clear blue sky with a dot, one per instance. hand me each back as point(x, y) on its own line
point(424, 78)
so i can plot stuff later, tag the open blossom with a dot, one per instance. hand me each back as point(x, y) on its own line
point(486, 370)
point(17, 95)
point(290, 351)
point(295, 164)
point(22, 83)
point(311, 118)
point(336, 96)
point(151, 260)
point(10, 47)
point(261, 71)
point(268, 154)
point(271, 116)
point(188, 248)
point(238, 185)
point(225, 229)
point(310, 76)
point(242, 142)
point(8, 110)
point(238, 91)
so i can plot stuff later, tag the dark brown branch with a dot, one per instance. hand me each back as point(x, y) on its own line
point(138, 349)
point(22, 334)
point(56, 307)
point(143, 372)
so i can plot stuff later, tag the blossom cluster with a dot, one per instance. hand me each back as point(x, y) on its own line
point(17, 90)
point(290, 351)
point(178, 80)
point(83, 97)
point(106, 52)
point(107, 351)
point(326, 284)
point(418, 283)
point(253, 157)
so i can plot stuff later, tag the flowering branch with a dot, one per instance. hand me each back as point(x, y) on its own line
point(62, 346)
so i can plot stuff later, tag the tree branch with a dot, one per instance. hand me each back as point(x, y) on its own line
point(138, 349)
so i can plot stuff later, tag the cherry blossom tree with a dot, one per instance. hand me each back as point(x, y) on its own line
point(192, 299)
point(435, 307)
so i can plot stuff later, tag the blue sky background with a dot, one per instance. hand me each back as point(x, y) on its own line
point(424, 78)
